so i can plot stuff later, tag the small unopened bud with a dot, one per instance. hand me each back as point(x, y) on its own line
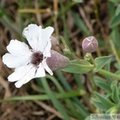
point(87, 57)
point(89, 44)
point(57, 61)
point(54, 41)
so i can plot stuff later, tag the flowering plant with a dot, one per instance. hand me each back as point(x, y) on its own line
point(73, 69)
point(32, 62)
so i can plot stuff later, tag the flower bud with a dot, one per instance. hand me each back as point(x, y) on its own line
point(57, 61)
point(54, 41)
point(87, 57)
point(89, 44)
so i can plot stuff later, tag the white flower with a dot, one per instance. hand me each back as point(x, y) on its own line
point(28, 62)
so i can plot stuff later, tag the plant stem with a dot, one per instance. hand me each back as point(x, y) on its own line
point(104, 72)
point(107, 73)
point(114, 51)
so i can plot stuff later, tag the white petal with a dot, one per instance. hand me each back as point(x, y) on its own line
point(47, 50)
point(40, 71)
point(30, 75)
point(32, 33)
point(19, 83)
point(19, 73)
point(37, 37)
point(18, 48)
point(46, 67)
point(46, 40)
point(15, 61)
point(47, 32)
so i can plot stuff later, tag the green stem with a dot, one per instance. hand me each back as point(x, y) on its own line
point(107, 73)
point(88, 57)
point(64, 95)
point(58, 105)
point(102, 71)
point(114, 51)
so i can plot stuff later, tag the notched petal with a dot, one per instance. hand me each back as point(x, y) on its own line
point(15, 61)
point(18, 48)
point(40, 71)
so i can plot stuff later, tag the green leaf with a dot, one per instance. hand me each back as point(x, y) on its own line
point(114, 1)
point(117, 66)
point(54, 100)
point(80, 67)
point(78, 1)
point(115, 35)
point(101, 102)
point(104, 101)
point(2, 12)
point(115, 21)
point(64, 95)
point(72, 108)
point(115, 91)
point(80, 23)
point(98, 105)
point(80, 107)
point(101, 61)
point(113, 110)
point(102, 83)
point(117, 12)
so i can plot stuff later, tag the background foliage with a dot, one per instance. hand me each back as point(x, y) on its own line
point(82, 88)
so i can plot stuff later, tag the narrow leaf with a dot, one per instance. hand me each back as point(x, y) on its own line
point(54, 100)
point(114, 1)
point(101, 83)
point(115, 21)
point(101, 61)
point(80, 67)
point(117, 12)
point(115, 91)
point(79, 23)
point(104, 101)
point(98, 105)
point(64, 95)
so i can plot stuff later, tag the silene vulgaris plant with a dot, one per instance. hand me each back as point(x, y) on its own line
point(38, 57)
point(32, 62)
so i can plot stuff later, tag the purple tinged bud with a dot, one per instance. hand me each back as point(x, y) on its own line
point(54, 41)
point(57, 61)
point(89, 44)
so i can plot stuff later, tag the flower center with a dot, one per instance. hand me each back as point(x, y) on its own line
point(37, 58)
